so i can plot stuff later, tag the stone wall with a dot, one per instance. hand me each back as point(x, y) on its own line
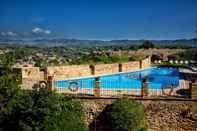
point(106, 69)
point(170, 116)
point(146, 63)
point(66, 72)
point(32, 73)
point(30, 76)
point(194, 90)
point(130, 66)
point(161, 115)
point(75, 71)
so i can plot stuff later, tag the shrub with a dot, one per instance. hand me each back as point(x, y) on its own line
point(37, 110)
point(147, 44)
point(190, 54)
point(68, 117)
point(125, 115)
point(167, 64)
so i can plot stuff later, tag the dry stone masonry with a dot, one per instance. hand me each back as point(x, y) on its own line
point(31, 75)
point(161, 115)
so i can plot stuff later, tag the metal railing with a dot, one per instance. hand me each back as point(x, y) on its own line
point(116, 87)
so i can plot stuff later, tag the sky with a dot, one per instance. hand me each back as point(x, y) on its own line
point(99, 19)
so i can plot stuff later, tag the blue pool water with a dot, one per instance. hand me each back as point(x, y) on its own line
point(158, 78)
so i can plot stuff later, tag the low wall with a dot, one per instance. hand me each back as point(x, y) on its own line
point(32, 73)
point(146, 63)
point(30, 76)
point(131, 66)
point(106, 69)
point(74, 71)
point(194, 90)
point(65, 72)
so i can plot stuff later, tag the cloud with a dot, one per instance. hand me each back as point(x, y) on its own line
point(7, 34)
point(38, 30)
point(11, 33)
point(33, 33)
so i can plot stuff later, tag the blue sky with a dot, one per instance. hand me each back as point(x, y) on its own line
point(99, 19)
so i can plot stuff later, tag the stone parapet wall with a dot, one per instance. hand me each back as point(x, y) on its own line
point(106, 69)
point(33, 73)
point(76, 71)
point(66, 72)
point(130, 66)
point(146, 63)
point(194, 91)
point(30, 76)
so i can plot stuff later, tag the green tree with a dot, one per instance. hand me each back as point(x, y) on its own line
point(9, 88)
point(125, 115)
point(189, 54)
point(37, 110)
point(147, 44)
point(133, 47)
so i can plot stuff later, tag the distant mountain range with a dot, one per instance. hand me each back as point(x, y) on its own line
point(92, 43)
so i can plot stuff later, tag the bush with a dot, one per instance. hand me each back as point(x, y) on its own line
point(126, 115)
point(190, 54)
point(69, 117)
point(38, 111)
point(147, 44)
point(167, 64)
point(116, 59)
point(35, 109)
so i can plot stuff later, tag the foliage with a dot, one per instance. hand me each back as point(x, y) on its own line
point(9, 87)
point(115, 59)
point(167, 64)
point(190, 54)
point(147, 44)
point(35, 110)
point(69, 117)
point(125, 115)
point(43, 57)
point(134, 47)
point(177, 46)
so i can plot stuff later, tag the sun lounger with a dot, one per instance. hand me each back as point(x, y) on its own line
point(171, 61)
point(176, 61)
point(186, 62)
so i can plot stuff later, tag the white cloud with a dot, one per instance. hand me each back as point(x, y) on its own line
point(47, 31)
point(35, 32)
point(9, 33)
point(38, 30)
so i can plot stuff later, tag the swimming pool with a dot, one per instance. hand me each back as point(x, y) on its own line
point(158, 78)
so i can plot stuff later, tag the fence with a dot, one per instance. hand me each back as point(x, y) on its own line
point(110, 88)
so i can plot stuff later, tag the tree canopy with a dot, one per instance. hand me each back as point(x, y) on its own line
point(147, 44)
point(35, 110)
point(125, 115)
